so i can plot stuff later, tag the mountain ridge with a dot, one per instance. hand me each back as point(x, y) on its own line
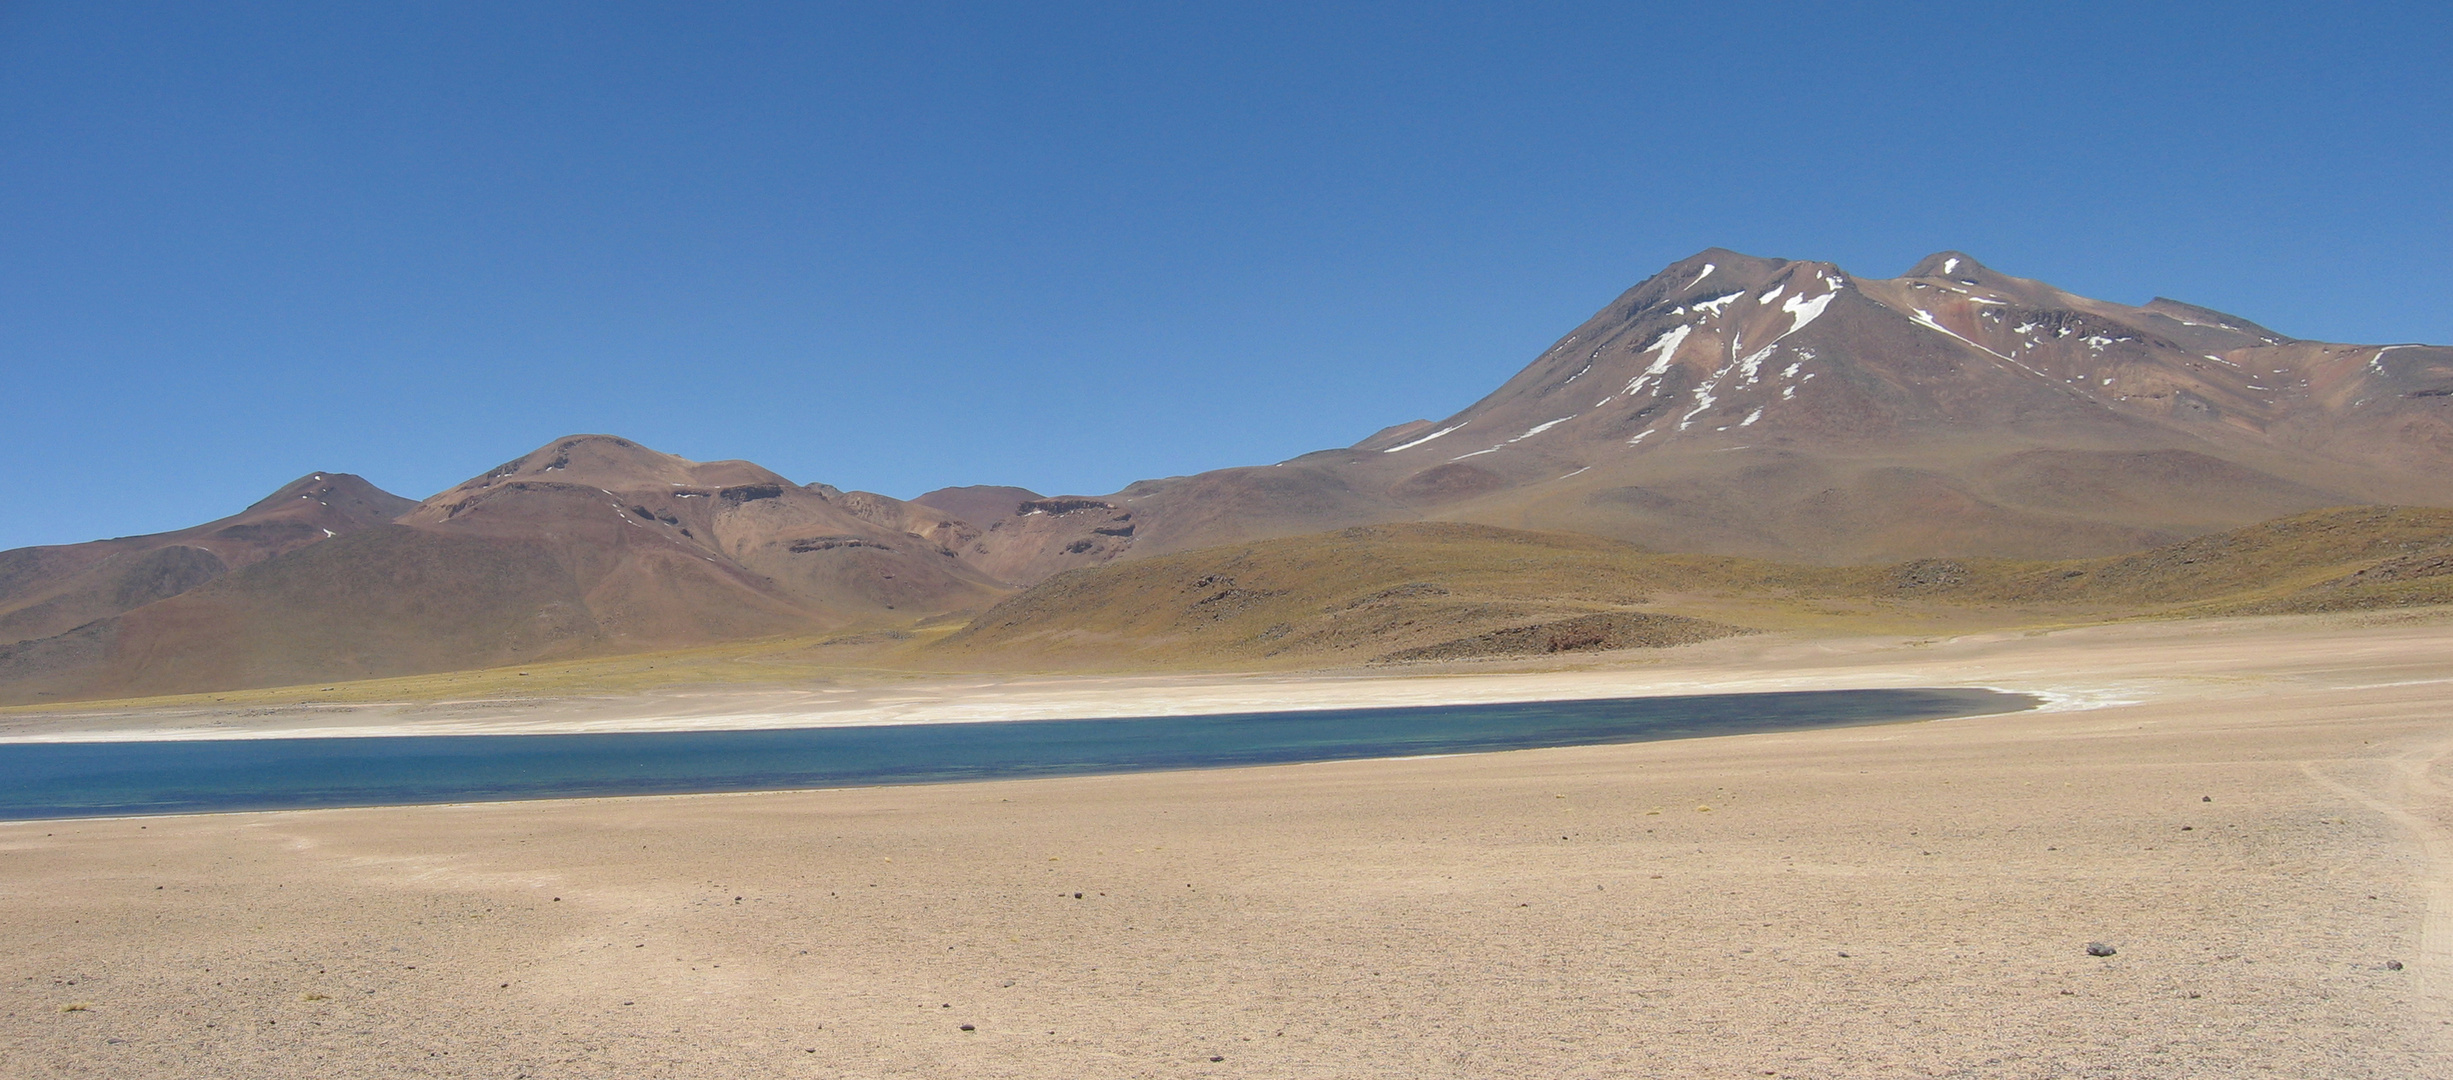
point(1728, 405)
point(588, 544)
point(1788, 409)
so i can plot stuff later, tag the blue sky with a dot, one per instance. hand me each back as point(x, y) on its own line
point(896, 247)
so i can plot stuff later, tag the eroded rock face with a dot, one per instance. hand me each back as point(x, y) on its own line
point(1047, 536)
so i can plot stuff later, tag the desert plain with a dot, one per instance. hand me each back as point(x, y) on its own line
point(2251, 814)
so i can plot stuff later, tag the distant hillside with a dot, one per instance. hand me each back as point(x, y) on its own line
point(1790, 410)
point(1878, 448)
point(590, 545)
point(50, 590)
point(1395, 593)
point(1344, 597)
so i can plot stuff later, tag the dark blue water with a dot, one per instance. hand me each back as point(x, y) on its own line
point(53, 780)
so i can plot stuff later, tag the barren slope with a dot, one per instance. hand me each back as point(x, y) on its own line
point(1790, 410)
point(591, 544)
point(49, 590)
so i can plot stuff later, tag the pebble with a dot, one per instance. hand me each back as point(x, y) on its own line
point(2098, 948)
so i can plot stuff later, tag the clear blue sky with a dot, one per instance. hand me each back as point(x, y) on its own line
point(898, 246)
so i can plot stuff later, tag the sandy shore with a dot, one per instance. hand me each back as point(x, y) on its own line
point(2077, 668)
point(1911, 900)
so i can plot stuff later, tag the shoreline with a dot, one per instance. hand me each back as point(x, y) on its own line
point(2252, 816)
point(149, 779)
point(1389, 697)
point(1997, 660)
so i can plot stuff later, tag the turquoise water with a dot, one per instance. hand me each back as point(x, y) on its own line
point(55, 780)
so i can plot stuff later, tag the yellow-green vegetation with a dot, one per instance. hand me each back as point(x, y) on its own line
point(2326, 560)
point(1441, 591)
point(865, 656)
point(1406, 591)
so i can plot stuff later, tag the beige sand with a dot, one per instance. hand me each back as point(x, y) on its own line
point(1523, 914)
point(2074, 668)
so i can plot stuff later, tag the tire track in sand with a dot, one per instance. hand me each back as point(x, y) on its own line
point(2411, 796)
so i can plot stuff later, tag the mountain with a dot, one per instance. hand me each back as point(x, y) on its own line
point(50, 590)
point(978, 502)
point(1728, 406)
point(590, 544)
point(1790, 410)
point(1030, 536)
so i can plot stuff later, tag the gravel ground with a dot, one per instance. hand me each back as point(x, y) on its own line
point(1910, 900)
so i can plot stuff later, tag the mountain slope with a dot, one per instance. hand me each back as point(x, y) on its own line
point(49, 590)
point(977, 502)
point(590, 544)
point(1789, 410)
point(1444, 591)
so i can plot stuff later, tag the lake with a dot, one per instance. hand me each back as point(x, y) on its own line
point(57, 780)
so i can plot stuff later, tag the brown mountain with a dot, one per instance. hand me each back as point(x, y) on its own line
point(1790, 410)
point(49, 590)
point(978, 502)
point(1728, 405)
point(590, 544)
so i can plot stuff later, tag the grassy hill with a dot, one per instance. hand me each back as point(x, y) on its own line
point(1393, 593)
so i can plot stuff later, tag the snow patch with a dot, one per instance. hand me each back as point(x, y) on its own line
point(1539, 428)
point(1704, 401)
point(2377, 363)
point(1707, 272)
point(1803, 312)
point(1751, 368)
point(1715, 304)
point(1925, 319)
point(1667, 345)
point(1424, 439)
point(1950, 264)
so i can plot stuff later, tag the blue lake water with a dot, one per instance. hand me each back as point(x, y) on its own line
point(55, 780)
